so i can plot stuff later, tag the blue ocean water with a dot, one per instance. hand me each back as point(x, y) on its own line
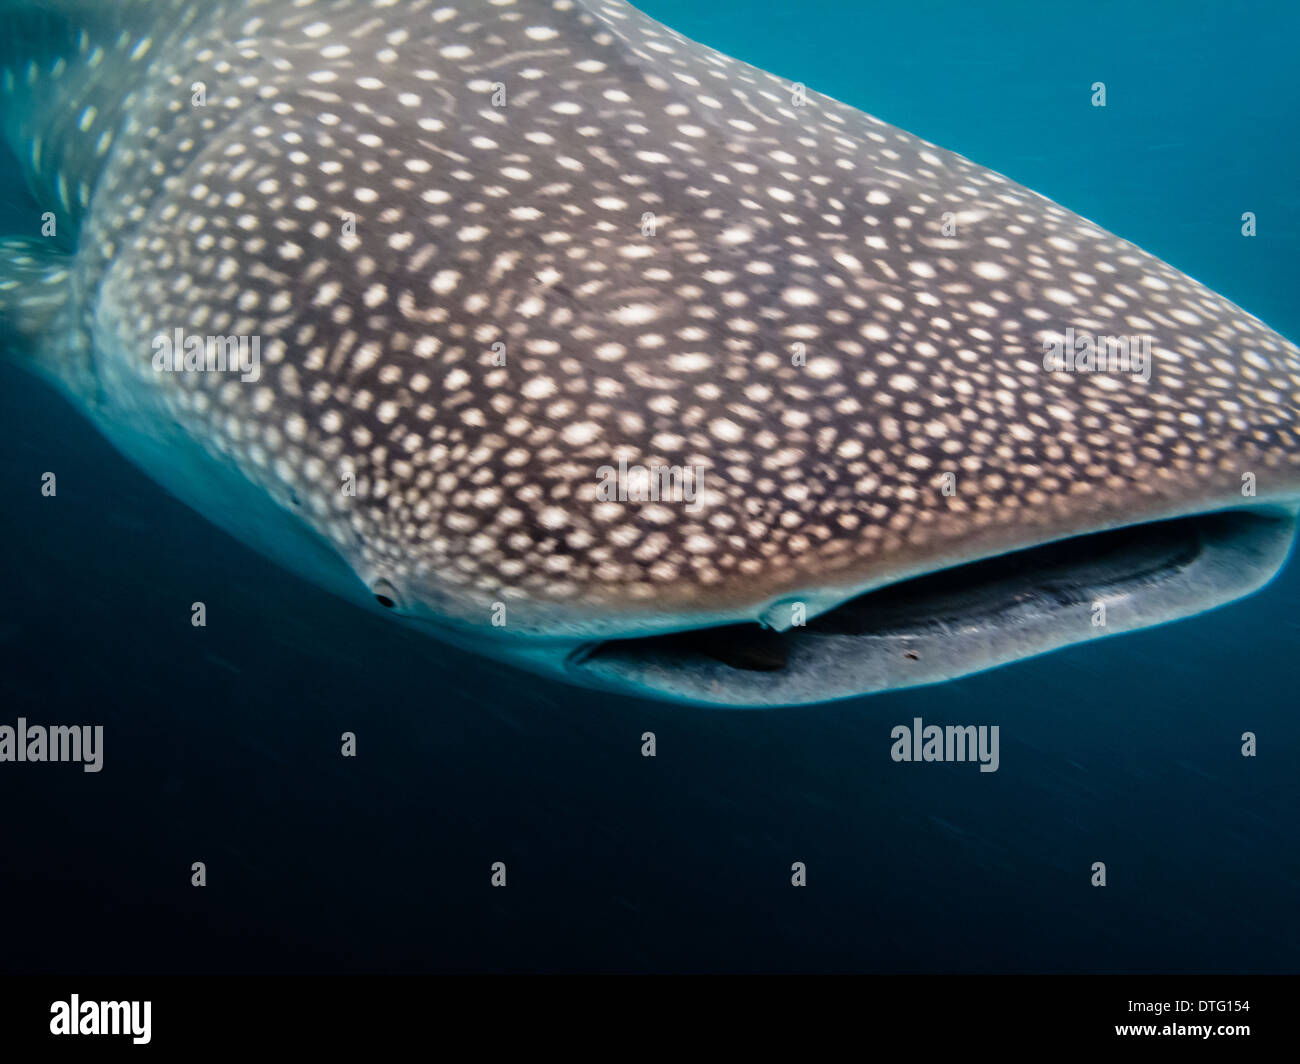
point(222, 744)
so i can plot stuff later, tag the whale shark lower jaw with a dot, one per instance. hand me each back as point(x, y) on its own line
point(953, 622)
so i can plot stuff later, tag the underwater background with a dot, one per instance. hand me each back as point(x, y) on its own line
point(222, 743)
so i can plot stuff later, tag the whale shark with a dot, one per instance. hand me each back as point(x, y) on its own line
point(579, 345)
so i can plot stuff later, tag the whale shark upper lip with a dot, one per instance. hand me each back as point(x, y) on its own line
point(813, 594)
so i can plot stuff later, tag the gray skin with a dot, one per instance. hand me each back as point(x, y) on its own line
point(489, 249)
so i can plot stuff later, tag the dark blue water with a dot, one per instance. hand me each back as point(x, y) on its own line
point(222, 743)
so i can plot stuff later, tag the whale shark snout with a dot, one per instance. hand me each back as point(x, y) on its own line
point(582, 345)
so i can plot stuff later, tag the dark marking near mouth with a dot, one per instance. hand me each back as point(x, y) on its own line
point(741, 646)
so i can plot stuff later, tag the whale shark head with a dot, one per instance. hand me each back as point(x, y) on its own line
point(582, 345)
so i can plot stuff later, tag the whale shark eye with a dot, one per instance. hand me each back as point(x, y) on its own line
point(385, 594)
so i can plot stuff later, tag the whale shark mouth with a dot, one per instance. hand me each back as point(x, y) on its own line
point(956, 621)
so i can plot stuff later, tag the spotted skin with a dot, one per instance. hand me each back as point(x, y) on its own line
point(683, 261)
